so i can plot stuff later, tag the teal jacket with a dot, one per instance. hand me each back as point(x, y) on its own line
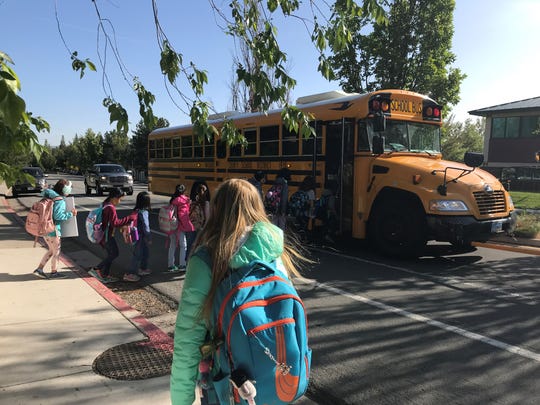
point(264, 242)
point(59, 210)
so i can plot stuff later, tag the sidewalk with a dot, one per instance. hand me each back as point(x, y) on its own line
point(52, 332)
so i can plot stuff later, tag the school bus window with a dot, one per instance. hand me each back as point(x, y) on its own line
point(152, 149)
point(187, 147)
point(221, 152)
point(159, 148)
point(363, 139)
point(176, 147)
point(235, 151)
point(309, 144)
point(424, 138)
point(269, 141)
point(167, 148)
point(208, 148)
point(251, 138)
point(289, 141)
point(197, 150)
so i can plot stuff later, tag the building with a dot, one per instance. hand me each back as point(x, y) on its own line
point(512, 143)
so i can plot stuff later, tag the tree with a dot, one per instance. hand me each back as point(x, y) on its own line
point(116, 148)
point(175, 70)
point(244, 97)
point(18, 141)
point(460, 137)
point(139, 143)
point(412, 52)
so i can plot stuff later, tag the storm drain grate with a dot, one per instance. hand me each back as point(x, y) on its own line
point(135, 361)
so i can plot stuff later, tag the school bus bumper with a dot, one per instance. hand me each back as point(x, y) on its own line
point(468, 228)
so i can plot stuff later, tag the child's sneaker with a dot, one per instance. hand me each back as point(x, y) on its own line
point(39, 273)
point(182, 267)
point(172, 269)
point(110, 279)
point(131, 277)
point(96, 273)
point(55, 274)
point(144, 272)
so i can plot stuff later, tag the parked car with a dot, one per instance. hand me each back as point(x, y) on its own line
point(103, 177)
point(37, 186)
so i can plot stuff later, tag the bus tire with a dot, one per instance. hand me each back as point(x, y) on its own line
point(398, 228)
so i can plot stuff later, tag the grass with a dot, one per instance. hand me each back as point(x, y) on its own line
point(525, 200)
point(528, 224)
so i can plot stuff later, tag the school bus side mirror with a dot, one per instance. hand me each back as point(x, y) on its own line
point(379, 122)
point(473, 159)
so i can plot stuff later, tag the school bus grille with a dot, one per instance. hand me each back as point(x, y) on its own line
point(490, 203)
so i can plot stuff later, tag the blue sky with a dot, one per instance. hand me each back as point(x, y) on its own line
point(495, 42)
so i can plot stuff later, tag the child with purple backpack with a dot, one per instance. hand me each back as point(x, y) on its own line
point(139, 262)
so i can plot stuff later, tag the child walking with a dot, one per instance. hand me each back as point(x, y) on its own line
point(109, 223)
point(60, 190)
point(236, 233)
point(139, 262)
point(178, 238)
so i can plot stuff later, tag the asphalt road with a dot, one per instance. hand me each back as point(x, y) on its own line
point(450, 327)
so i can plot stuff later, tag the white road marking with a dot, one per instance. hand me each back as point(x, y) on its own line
point(445, 280)
point(432, 322)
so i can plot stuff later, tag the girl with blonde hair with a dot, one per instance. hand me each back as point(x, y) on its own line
point(237, 232)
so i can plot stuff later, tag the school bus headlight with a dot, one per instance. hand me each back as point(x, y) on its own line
point(510, 202)
point(448, 205)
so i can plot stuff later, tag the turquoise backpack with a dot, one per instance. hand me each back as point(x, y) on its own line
point(261, 326)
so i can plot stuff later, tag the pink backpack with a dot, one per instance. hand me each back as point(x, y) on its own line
point(168, 219)
point(39, 221)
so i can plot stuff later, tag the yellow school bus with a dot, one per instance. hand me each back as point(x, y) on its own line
point(380, 149)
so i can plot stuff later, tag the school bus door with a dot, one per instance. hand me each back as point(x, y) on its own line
point(339, 160)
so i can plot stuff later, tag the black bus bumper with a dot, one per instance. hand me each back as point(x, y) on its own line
point(467, 228)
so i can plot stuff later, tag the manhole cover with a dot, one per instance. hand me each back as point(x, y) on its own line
point(135, 361)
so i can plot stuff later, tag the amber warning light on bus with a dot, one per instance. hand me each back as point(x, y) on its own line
point(431, 112)
point(379, 104)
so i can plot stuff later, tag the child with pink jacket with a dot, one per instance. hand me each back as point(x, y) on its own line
point(178, 238)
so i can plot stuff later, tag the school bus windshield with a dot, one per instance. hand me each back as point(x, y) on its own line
point(403, 136)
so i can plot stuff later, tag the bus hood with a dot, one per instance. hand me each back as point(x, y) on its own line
point(432, 171)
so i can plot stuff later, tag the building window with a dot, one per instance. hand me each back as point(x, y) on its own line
point(498, 127)
point(514, 127)
point(530, 127)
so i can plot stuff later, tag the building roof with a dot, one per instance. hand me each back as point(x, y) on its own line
point(522, 105)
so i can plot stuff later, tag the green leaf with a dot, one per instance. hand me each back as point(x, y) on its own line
point(90, 65)
point(12, 107)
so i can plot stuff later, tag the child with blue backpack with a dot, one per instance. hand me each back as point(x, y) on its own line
point(240, 254)
point(139, 262)
point(109, 224)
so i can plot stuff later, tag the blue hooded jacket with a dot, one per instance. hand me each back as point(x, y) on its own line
point(59, 210)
